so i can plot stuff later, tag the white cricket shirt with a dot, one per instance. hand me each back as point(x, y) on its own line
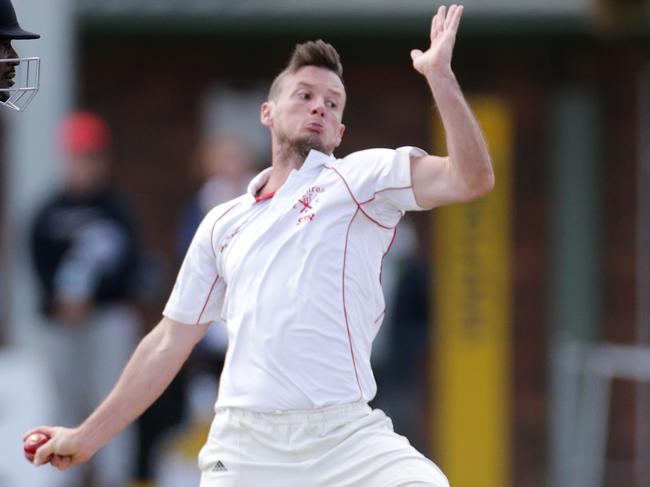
point(296, 279)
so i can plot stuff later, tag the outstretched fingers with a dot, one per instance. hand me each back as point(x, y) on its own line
point(450, 15)
point(438, 22)
point(446, 19)
point(453, 18)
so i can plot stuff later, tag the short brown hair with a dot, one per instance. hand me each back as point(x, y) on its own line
point(312, 53)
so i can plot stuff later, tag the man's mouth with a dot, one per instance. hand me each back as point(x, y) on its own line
point(315, 127)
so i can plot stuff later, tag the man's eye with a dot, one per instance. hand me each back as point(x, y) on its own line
point(332, 104)
point(303, 95)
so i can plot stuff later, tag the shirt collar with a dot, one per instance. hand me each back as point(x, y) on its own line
point(258, 181)
point(315, 160)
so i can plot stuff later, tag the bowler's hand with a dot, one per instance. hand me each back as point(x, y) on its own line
point(64, 449)
point(443, 37)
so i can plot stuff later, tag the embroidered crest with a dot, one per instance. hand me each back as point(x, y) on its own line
point(306, 204)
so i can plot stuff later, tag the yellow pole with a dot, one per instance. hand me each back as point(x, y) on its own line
point(473, 308)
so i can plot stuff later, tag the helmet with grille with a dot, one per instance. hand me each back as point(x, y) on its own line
point(19, 77)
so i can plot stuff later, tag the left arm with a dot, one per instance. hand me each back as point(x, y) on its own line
point(466, 173)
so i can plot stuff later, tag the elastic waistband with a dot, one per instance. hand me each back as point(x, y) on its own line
point(297, 416)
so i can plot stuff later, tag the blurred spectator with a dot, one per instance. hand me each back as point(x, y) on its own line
point(226, 166)
point(86, 257)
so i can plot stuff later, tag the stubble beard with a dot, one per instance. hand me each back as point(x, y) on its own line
point(302, 145)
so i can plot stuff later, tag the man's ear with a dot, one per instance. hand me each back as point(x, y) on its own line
point(266, 113)
point(339, 139)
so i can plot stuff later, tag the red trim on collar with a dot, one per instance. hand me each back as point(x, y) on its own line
point(264, 197)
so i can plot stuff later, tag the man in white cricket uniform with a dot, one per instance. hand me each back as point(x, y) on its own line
point(293, 269)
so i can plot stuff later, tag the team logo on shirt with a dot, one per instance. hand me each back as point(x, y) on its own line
point(306, 204)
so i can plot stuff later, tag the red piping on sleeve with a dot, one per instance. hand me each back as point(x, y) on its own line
point(382, 190)
point(207, 299)
point(357, 202)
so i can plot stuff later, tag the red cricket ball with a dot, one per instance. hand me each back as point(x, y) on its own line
point(33, 443)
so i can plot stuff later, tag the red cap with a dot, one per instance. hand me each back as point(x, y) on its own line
point(83, 132)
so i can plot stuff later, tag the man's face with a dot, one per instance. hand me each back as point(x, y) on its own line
point(86, 172)
point(7, 69)
point(307, 111)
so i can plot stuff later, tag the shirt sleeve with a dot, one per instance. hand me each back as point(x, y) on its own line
point(198, 294)
point(380, 180)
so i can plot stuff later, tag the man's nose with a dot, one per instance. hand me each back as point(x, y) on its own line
point(318, 108)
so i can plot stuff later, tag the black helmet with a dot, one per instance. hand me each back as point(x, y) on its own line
point(9, 28)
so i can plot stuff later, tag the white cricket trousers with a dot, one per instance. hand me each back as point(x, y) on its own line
point(350, 445)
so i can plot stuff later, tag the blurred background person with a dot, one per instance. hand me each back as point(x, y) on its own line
point(226, 165)
point(85, 254)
